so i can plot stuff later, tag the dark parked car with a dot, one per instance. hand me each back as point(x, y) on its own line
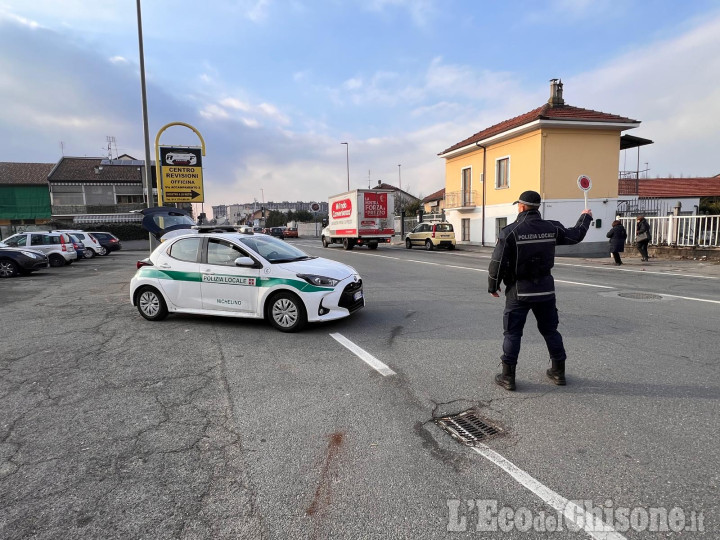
point(109, 241)
point(279, 232)
point(79, 246)
point(14, 261)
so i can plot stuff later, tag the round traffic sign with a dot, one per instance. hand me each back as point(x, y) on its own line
point(584, 182)
point(315, 207)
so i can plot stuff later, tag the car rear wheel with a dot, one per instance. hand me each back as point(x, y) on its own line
point(286, 312)
point(8, 269)
point(428, 245)
point(102, 251)
point(88, 254)
point(408, 244)
point(56, 260)
point(151, 305)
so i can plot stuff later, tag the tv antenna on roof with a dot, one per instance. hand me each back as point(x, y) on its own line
point(110, 143)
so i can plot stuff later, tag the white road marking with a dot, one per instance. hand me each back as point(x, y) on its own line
point(365, 356)
point(613, 268)
point(592, 525)
point(583, 284)
point(690, 298)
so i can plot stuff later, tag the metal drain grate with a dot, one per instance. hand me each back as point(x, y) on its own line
point(640, 296)
point(469, 427)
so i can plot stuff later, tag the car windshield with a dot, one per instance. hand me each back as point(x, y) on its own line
point(273, 249)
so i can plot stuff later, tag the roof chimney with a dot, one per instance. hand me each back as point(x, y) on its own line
point(556, 99)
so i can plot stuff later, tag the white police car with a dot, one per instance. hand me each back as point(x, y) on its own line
point(243, 275)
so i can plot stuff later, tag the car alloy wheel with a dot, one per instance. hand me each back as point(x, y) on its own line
point(102, 251)
point(8, 269)
point(287, 313)
point(428, 245)
point(151, 305)
point(88, 253)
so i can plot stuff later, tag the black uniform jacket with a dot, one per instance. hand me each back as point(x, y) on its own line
point(525, 254)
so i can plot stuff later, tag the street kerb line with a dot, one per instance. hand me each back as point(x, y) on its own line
point(595, 527)
point(583, 284)
point(634, 271)
point(690, 298)
point(365, 356)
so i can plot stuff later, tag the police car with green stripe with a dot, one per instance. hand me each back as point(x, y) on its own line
point(211, 272)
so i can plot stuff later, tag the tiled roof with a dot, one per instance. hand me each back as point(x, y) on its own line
point(73, 169)
point(438, 195)
point(564, 113)
point(24, 173)
point(671, 187)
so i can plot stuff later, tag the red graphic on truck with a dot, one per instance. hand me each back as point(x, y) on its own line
point(341, 209)
point(376, 205)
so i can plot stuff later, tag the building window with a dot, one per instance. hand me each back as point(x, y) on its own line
point(502, 173)
point(500, 224)
point(466, 187)
point(466, 230)
point(129, 199)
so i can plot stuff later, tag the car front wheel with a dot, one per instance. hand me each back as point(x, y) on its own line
point(286, 312)
point(408, 244)
point(151, 304)
point(325, 242)
point(8, 269)
point(88, 254)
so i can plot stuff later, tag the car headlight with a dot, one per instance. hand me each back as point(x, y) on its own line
point(31, 254)
point(320, 281)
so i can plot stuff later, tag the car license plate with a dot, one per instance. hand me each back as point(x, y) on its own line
point(358, 295)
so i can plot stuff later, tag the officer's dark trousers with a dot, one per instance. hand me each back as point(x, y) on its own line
point(546, 314)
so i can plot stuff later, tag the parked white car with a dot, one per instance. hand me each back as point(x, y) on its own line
point(57, 246)
point(92, 245)
point(244, 275)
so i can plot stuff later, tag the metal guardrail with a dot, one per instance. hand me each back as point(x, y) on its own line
point(695, 231)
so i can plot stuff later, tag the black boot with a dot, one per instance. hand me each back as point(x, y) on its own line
point(506, 379)
point(557, 372)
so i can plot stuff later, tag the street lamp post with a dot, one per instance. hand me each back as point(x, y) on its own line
point(347, 159)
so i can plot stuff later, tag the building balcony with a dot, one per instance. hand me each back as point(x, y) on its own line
point(461, 200)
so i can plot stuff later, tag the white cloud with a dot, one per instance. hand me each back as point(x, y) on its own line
point(119, 60)
point(233, 103)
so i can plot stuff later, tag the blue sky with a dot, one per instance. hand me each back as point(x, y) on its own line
point(275, 86)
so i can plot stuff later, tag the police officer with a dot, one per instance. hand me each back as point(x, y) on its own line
point(522, 259)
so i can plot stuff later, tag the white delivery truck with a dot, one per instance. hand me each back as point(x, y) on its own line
point(360, 217)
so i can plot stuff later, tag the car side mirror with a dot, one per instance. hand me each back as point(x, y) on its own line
point(244, 261)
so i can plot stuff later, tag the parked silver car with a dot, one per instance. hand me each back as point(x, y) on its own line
point(57, 246)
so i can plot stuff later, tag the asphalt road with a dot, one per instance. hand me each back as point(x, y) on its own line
point(203, 427)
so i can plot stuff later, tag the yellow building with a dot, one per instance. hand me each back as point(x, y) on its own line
point(546, 150)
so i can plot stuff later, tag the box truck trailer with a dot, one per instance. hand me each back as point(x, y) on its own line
point(361, 217)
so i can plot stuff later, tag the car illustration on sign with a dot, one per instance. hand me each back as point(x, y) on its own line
point(180, 158)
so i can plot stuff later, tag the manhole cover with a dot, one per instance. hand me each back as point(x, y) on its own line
point(469, 427)
point(640, 296)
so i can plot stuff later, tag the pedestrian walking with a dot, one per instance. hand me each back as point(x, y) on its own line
point(523, 258)
point(617, 236)
point(643, 237)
